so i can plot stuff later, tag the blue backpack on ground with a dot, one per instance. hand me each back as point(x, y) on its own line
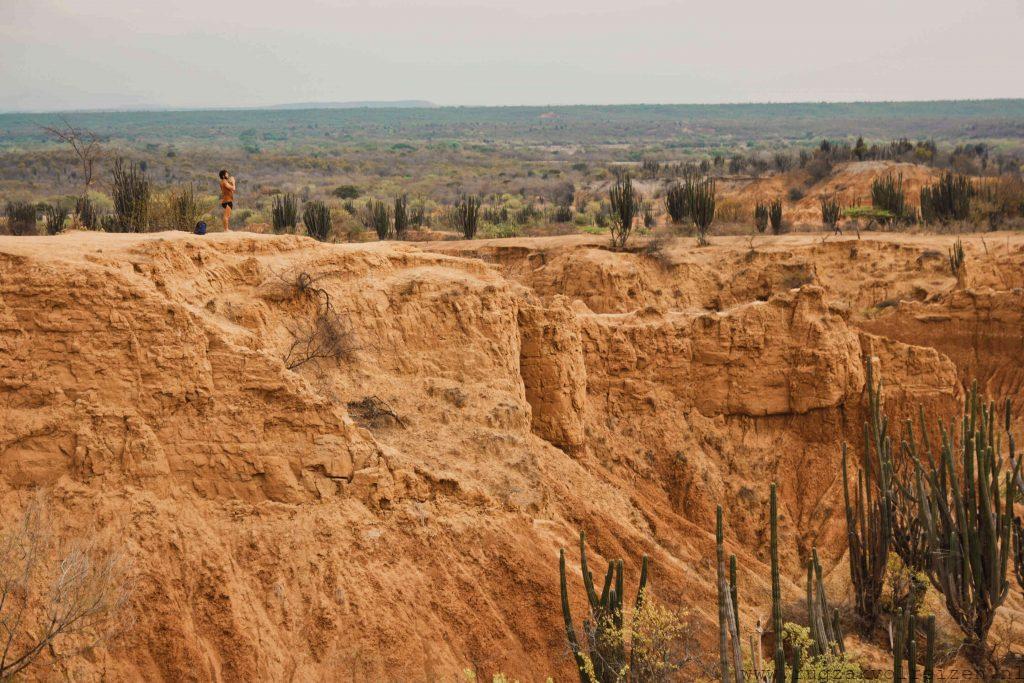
point(201, 228)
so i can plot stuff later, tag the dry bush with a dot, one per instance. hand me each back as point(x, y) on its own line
point(59, 598)
point(324, 336)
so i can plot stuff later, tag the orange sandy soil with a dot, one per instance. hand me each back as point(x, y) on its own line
point(542, 386)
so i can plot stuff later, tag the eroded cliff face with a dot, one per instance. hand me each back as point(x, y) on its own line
point(397, 514)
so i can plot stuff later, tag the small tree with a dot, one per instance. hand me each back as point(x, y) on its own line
point(86, 145)
point(317, 219)
point(626, 203)
point(284, 213)
point(77, 600)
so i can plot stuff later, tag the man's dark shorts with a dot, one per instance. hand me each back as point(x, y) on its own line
point(225, 205)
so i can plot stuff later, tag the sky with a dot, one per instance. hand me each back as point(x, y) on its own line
point(88, 54)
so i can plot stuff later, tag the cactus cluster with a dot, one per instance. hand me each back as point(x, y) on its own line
point(693, 200)
point(130, 191)
point(946, 200)
point(887, 195)
point(904, 648)
point(317, 219)
point(466, 215)
point(702, 206)
point(677, 203)
point(284, 213)
point(830, 213)
point(379, 218)
point(965, 500)
point(822, 618)
point(606, 654)
point(869, 513)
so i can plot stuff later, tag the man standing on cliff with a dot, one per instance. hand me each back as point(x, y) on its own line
point(227, 196)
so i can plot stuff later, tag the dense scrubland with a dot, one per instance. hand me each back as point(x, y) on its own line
point(532, 170)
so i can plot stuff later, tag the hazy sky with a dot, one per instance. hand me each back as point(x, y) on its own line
point(59, 54)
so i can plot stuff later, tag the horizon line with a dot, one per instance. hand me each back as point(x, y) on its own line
point(426, 104)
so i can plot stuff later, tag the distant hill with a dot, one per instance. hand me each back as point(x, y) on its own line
point(370, 104)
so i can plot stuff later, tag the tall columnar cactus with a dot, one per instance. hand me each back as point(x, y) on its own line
point(823, 619)
point(887, 195)
point(948, 199)
point(957, 260)
point(929, 652)
point(379, 218)
point(677, 203)
point(401, 216)
point(761, 216)
point(626, 202)
point(605, 657)
point(830, 213)
point(965, 500)
point(904, 648)
point(1018, 550)
point(317, 219)
point(780, 656)
point(284, 213)
point(869, 510)
point(775, 215)
point(728, 621)
point(909, 537)
point(702, 207)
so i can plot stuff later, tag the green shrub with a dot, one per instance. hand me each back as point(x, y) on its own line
point(284, 213)
point(346, 192)
point(317, 219)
